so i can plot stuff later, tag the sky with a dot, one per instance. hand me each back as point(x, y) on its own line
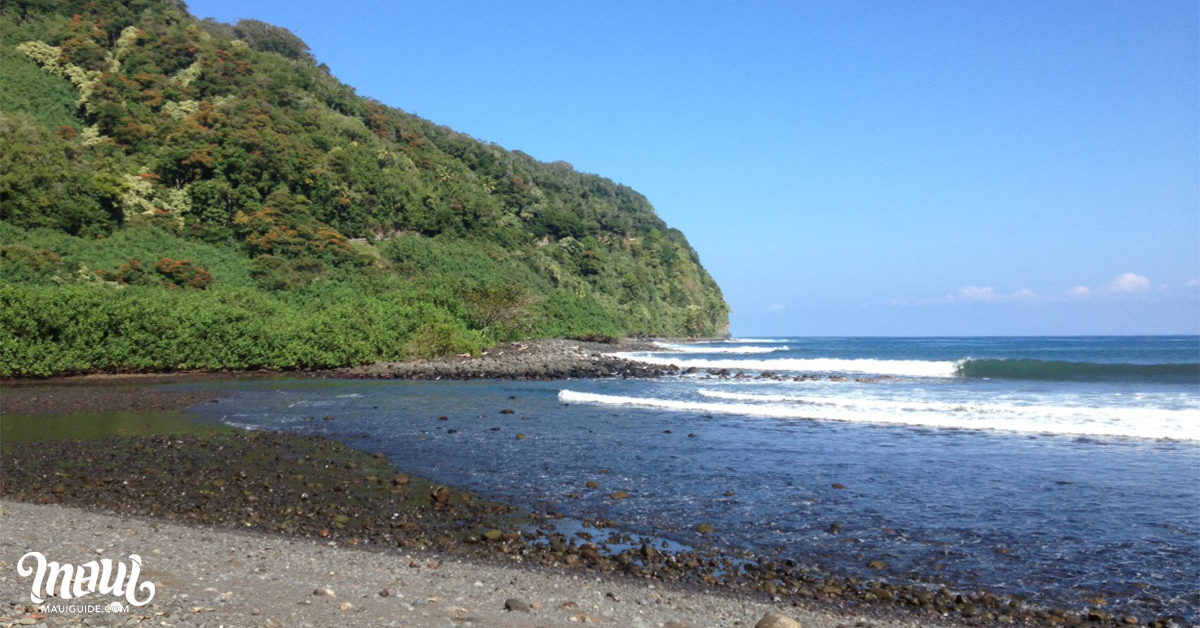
point(1011, 167)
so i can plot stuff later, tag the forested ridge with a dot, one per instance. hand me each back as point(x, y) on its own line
point(179, 193)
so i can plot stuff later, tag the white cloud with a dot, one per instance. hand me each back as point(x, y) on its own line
point(1125, 285)
point(977, 293)
point(988, 294)
point(1079, 291)
point(1128, 283)
point(775, 308)
point(1194, 283)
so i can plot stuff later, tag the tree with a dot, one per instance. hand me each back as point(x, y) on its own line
point(271, 38)
point(46, 182)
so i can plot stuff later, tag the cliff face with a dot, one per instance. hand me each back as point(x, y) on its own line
point(145, 148)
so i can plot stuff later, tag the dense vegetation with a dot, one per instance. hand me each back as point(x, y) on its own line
point(178, 193)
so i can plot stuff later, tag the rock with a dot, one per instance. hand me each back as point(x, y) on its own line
point(507, 411)
point(520, 436)
point(705, 528)
point(775, 620)
point(673, 623)
point(401, 479)
point(325, 592)
point(838, 486)
point(513, 604)
point(836, 528)
point(384, 593)
point(593, 484)
point(877, 564)
point(493, 535)
point(619, 495)
point(443, 418)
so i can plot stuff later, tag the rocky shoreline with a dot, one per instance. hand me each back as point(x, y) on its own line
point(529, 360)
point(317, 489)
point(214, 577)
point(322, 491)
point(544, 359)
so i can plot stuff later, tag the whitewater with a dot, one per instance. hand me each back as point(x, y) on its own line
point(1145, 387)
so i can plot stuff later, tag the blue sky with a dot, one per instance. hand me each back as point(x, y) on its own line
point(843, 168)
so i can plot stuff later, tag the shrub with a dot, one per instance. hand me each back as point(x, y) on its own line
point(183, 274)
point(22, 263)
point(435, 338)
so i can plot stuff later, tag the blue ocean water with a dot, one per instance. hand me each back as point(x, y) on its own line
point(1059, 469)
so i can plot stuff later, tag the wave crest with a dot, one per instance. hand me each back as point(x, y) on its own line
point(675, 348)
point(1033, 419)
point(1050, 370)
point(903, 368)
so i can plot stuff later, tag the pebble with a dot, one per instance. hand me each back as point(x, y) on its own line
point(514, 604)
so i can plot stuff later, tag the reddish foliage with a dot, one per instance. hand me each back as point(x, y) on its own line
point(183, 273)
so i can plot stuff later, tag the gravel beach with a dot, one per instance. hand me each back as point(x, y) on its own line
point(259, 528)
point(209, 577)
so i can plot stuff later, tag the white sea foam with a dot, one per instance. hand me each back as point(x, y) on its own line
point(674, 348)
point(904, 368)
point(757, 340)
point(1037, 419)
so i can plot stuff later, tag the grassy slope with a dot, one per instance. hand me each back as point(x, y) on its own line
point(302, 226)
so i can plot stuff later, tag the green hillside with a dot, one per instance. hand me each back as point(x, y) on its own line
point(178, 193)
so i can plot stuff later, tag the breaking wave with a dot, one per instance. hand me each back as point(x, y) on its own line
point(904, 368)
point(1153, 423)
point(704, 349)
point(1054, 371)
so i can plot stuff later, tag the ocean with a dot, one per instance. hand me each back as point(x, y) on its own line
point(1060, 470)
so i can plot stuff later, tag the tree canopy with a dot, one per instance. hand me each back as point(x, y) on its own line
point(136, 117)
